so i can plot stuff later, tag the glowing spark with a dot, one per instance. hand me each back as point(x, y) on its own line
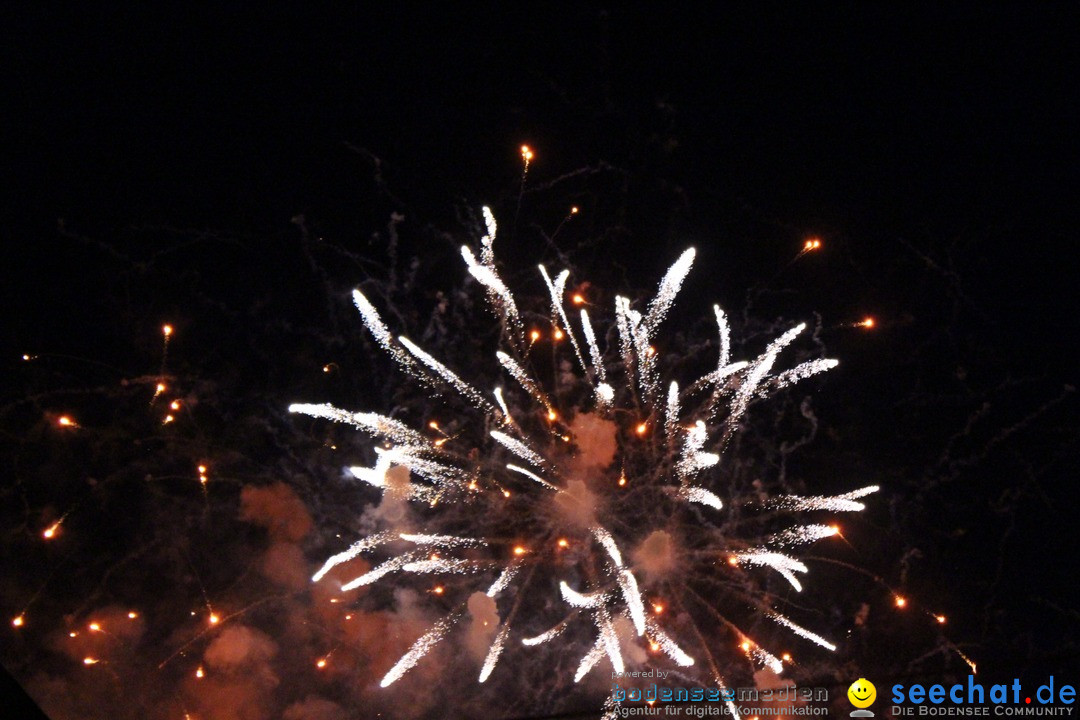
point(95, 627)
point(200, 673)
point(50, 532)
point(214, 619)
point(867, 323)
point(66, 421)
point(18, 621)
point(320, 663)
point(811, 244)
point(174, 405)
point(900, 602)
point(940, 619)
point(90, 661)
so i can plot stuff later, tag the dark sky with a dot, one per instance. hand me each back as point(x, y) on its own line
point(934, 150)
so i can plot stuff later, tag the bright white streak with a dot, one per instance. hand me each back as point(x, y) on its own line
point(786, 565)
point(606, 393)
point(377, 328)
point(376, 424)
point(573, 597)
point(669, 646)
point(767, 659)
point(362, 545)
point(511, 366)
point(594, 349)
point(502, 581)
point(531, 476)
point(802, 534)
point(669, 288)
point(589, 661)
point(487, 243)
point(442, 540)
point(502, 404)
point(497, 290)
point(494, 652)
point(418, 650)
point(835, 503)
point(628, 585)
point(546, 635)
point(447, 374)
point(517, 447)
point(803, 632)
point(725, 337)
point(761, 368)
point(671, 419)
point(610, 638)
point(558, 290)
point(608, 542)
point(440, 565)
point(702, 497)
point(803, 371)
point(391, 565)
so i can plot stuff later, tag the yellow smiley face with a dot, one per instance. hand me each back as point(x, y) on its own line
point(862, 693)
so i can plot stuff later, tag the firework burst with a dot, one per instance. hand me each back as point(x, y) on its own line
point(591, 505)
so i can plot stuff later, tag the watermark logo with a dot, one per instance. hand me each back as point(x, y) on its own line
point(862, 694)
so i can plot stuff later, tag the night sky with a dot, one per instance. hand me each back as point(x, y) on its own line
point(235, 173)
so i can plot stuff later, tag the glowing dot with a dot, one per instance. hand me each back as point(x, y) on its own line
point(867, 323)
point(622, 480)
point(812, 244)
point(201, 469)
point(642, 428)
point(174, 405)
point(326, 368)
point(745, 646)
point(657, 608)
point(321, 663)
point(940, 619)
point(334, 601)
point(535, 335)
point(65, 421)
point(434, 556)
point(161, 388)
point(440, 442)
point(552, 415)
point(132, 615)
point(835, 529)
point(563, 543)
point(18, 621)
point(519, 550)
point(650, 351)
point(526, 153)
point(168, 419)
point(25, 357)
point(786, 657)
point(166, 330)
point(574, 210)
point(50, 532)
point(73, 634)
point(433, 425)
point(89, 661)
point(214, 619)
point(733, 561)
point(199, 673)
point(506, 493)
point(654, 646)
point(438, 590)
point(558, 334)
point(900, 602)
point(472, 485)
point(578, 300)
point(94, 627)
point(348, 617)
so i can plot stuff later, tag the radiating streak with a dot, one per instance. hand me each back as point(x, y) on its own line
point(487, 242)
point(502, 404)
point(573, 597)
point(748, 390)
point(802, 535)
point(719, 374)
point(803, 371)
point(669, 288)
point(497, 290)
point(511, 366)
point(835, 503)
point(671, 418)
point(589, 661)
point(558, 290)
point(594, 349)
point(447, 374)
point(494, 652)
point(502, 581)
point(802, 632)
point(531, 476)
point(610, 638)
point(546, 635)
point(517, 447)
point(441, 565)
point(442, 540)
point(605, 539)
point(419, 649)
point(392, 565)
point(361, 545)
point(767, 659)
point(377, 328)
point(786, 565)
point(701, 496)
point(628, 585)
point(378, 425)
point(669, 646)
point(725, 338)
point(693, 460)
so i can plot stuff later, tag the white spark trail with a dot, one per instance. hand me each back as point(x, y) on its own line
point(573, 597)
point(442, 540)
point(441, 565)
point(786, 565)
point(802, 632)
point(605, 539)
point(835, 503)
point(610, 638)
point(557, 290)
point(419, 649)
point(589, 661)
point(594, 349)
point(378, 425)
point(487, 242)
point(502, 581)
point(725, 338)
point(511, 366)
point(392, 565)
point(362, 545)
point(802, 535)
point(494, 652)
point(546, 635)
point(671, 417)
point(378, 329)
point(628, 585)
point(497, 291)
point(519, 448)
point(701, 496)
point(447, 374)
point(531, 476)
point(669, 288)
point(758, 372)
point(669, 646)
